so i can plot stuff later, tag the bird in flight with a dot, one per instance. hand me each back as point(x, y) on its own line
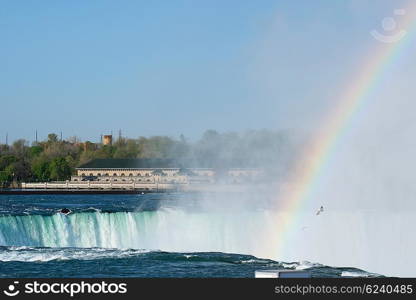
point(320, 210)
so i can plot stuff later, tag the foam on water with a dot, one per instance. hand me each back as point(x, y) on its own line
point(30, 254)
point(357, 274)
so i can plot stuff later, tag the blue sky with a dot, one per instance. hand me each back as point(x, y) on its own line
point(176, 67)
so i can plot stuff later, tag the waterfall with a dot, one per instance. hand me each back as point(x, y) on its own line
point(166, 229)
point(379, 242)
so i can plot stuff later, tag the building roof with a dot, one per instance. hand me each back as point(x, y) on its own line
point(129, 163)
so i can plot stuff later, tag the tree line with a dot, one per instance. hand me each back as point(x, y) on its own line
point(56, 160)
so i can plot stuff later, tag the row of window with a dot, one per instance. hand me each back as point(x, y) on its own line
point(138, 180)
point(115, 174)
point(149, 174)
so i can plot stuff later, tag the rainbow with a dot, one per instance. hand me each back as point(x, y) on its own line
point(314, 158)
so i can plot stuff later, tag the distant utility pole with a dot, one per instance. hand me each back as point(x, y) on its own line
point(101, 139)
point(36, 136)
point(7, 138)
point(119, 134)
point(61, 136)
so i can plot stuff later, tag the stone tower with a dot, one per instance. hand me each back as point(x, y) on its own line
point(108, 139)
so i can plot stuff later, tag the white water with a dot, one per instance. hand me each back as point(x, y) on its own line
point(167, 229)
point(376, 241)
point(355, 274)
point(30, 254)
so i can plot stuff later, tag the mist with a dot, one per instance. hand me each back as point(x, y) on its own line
point(366, 185)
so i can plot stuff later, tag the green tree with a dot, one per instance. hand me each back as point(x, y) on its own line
point(19, 148)
point(20, 170)
point(52, 138)
point(59, 169)
point(5, 178)
point(7, 160)
point(35, 151)
point(155, 147)
point(40, 170)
